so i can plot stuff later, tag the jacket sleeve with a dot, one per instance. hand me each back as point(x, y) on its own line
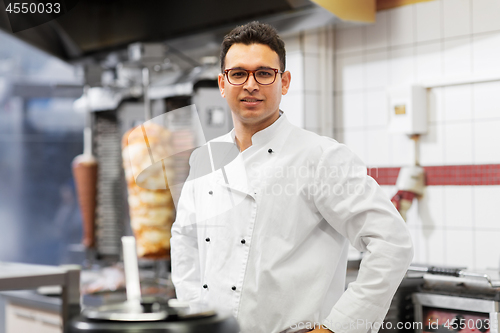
point(184, 245)
point(354, 204)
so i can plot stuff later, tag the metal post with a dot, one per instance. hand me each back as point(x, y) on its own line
point(70, 296)
point(145, 85)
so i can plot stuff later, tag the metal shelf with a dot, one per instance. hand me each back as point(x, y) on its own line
point(16, 276)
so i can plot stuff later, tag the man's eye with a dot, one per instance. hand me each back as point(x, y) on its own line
point(238, 74)
point(264, 73)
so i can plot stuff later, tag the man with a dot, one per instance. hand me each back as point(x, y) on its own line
point(274, 252)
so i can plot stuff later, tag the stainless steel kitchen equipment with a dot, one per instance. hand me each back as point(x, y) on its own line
point(110, 122)
point(156, 317)
point(153, 315)
point(14, 276)
point(458, 300)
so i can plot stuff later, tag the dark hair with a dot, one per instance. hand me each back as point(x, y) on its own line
point(254, 33)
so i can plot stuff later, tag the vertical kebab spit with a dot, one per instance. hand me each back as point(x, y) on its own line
point(150, 201)
point(85, 174)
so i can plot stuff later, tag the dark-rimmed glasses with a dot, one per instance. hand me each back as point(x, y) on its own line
point(263, 76)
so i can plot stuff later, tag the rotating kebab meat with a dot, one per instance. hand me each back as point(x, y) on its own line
point(146, 172)
point(149, 198)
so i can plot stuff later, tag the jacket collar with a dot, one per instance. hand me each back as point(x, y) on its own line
point(263, 136)
point(267, 134)
point(272, 137)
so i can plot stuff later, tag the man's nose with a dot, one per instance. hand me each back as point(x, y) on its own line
point(251, 84)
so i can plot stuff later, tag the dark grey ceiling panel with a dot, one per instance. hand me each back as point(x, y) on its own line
point(97, 26)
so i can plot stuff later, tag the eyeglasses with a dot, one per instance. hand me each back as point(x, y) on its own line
point(238, 76)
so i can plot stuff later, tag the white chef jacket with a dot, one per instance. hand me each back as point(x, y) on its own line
point(271, 247)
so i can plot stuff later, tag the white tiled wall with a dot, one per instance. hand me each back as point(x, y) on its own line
point(457, 18)
point(450, 225)
point(293, 102)
point(306, 59)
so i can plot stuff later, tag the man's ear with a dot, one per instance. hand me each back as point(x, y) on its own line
point(286, 77)
point(221, 82)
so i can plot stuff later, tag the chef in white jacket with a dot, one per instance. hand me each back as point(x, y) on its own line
point(266, 236)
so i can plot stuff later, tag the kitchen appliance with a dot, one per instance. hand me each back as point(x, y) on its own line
point(156, 317)
point(150, 315)
point(118, 107)
point(457, 300)
point(17, 276)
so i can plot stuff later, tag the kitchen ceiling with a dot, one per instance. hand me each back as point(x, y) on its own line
point(96, 27)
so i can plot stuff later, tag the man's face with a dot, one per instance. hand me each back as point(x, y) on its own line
point(253, 104)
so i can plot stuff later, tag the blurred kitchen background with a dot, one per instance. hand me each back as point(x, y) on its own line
point(39, 137)
point(340, 76)
point(343, 67)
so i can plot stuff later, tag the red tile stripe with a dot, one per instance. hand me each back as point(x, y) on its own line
point(384, 176)
point(486, 174)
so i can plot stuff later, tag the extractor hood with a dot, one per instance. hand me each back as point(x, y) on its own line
point(93, 28)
